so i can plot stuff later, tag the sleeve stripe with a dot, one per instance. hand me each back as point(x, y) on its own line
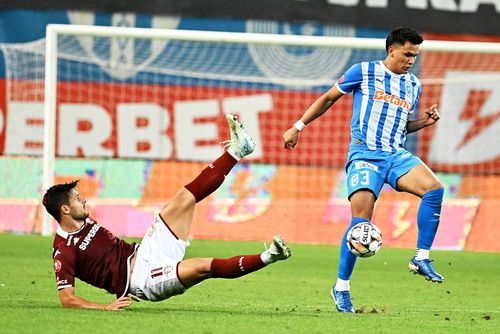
point(64, 286)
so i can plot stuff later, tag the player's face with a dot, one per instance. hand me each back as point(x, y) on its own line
point(402, 57)
point(77, 206)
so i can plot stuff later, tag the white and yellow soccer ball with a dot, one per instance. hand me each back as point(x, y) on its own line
point(364, 239)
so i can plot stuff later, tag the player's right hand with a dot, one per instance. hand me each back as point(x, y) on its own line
point(290, 138)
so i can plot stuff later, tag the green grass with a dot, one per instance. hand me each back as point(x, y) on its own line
point(288, 297)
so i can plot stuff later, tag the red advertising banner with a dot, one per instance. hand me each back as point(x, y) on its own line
point(175, 123)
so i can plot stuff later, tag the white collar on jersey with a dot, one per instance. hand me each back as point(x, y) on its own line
point(389, 71)
point(62, 233)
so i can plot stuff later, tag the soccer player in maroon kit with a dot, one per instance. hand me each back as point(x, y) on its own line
point(154, 270)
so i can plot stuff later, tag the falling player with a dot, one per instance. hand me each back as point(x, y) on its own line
point(385, 93)
point(154, 270)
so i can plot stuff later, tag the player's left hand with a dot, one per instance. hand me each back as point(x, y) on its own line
point(290, 138)
point(431, 115)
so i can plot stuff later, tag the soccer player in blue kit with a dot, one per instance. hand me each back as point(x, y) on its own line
point(385, 94)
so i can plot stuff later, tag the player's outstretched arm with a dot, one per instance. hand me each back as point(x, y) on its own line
point(431, 116)
point(69, 299)
point(318, 108)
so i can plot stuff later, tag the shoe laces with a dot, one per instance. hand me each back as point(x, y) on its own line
point(427, 264)
point(226, 143)
point(272, 250)
point(424, 260)
point(345, 298)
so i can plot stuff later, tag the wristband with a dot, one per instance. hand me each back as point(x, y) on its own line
point(299, 125)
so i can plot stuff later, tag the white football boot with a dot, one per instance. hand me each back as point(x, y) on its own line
point(240, 143)
point(278, 250)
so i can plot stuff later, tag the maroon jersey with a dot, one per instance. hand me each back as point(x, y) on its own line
point(94, 255)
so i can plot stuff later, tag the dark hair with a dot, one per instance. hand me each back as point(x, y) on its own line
point(57, 196)
point(402, 35)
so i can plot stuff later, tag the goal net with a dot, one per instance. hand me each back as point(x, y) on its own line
point(135, 113)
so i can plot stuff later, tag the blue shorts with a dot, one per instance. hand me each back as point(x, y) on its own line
point(371, 169)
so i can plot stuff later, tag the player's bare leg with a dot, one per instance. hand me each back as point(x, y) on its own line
point(418, 181)
point(362, 204)
point(178, 214)
point(196, 270)
point(421, 181)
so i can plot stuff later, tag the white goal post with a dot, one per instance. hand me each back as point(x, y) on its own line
point(55, 31)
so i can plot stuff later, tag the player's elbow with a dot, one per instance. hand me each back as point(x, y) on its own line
point(66, 305)
point(330, 99)
point(67, 299)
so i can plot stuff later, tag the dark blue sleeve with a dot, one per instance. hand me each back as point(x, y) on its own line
point(350, 80)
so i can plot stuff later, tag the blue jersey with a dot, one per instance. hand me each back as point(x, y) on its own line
point(382, 103)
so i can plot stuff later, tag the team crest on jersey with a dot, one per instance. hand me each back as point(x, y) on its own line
point(57, 266)
point(409, 90)
point(151, 230)
point(168, 269)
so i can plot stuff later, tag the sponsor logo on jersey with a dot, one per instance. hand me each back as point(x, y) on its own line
point(62, 282)
point(68, 241)
point(342, 78)
point(391, 99)
point(365, 165)
point(379, 83)
point(89, 237)
point(405, 155)
point(57, 266)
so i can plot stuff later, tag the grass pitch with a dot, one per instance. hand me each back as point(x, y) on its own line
point(287, 297)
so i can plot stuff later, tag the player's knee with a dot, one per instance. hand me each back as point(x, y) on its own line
point(203, 268)
point(362, 204)
point(434, 185)
point(184, 198)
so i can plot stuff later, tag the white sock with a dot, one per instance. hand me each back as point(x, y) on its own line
point(266, 257)
point(233, 154)
point(422, 254)
point(342, 285)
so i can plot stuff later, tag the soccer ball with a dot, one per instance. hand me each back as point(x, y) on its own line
point(364, 239)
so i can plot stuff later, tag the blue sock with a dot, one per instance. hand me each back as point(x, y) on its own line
point(428, 217)
point(348, 259)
